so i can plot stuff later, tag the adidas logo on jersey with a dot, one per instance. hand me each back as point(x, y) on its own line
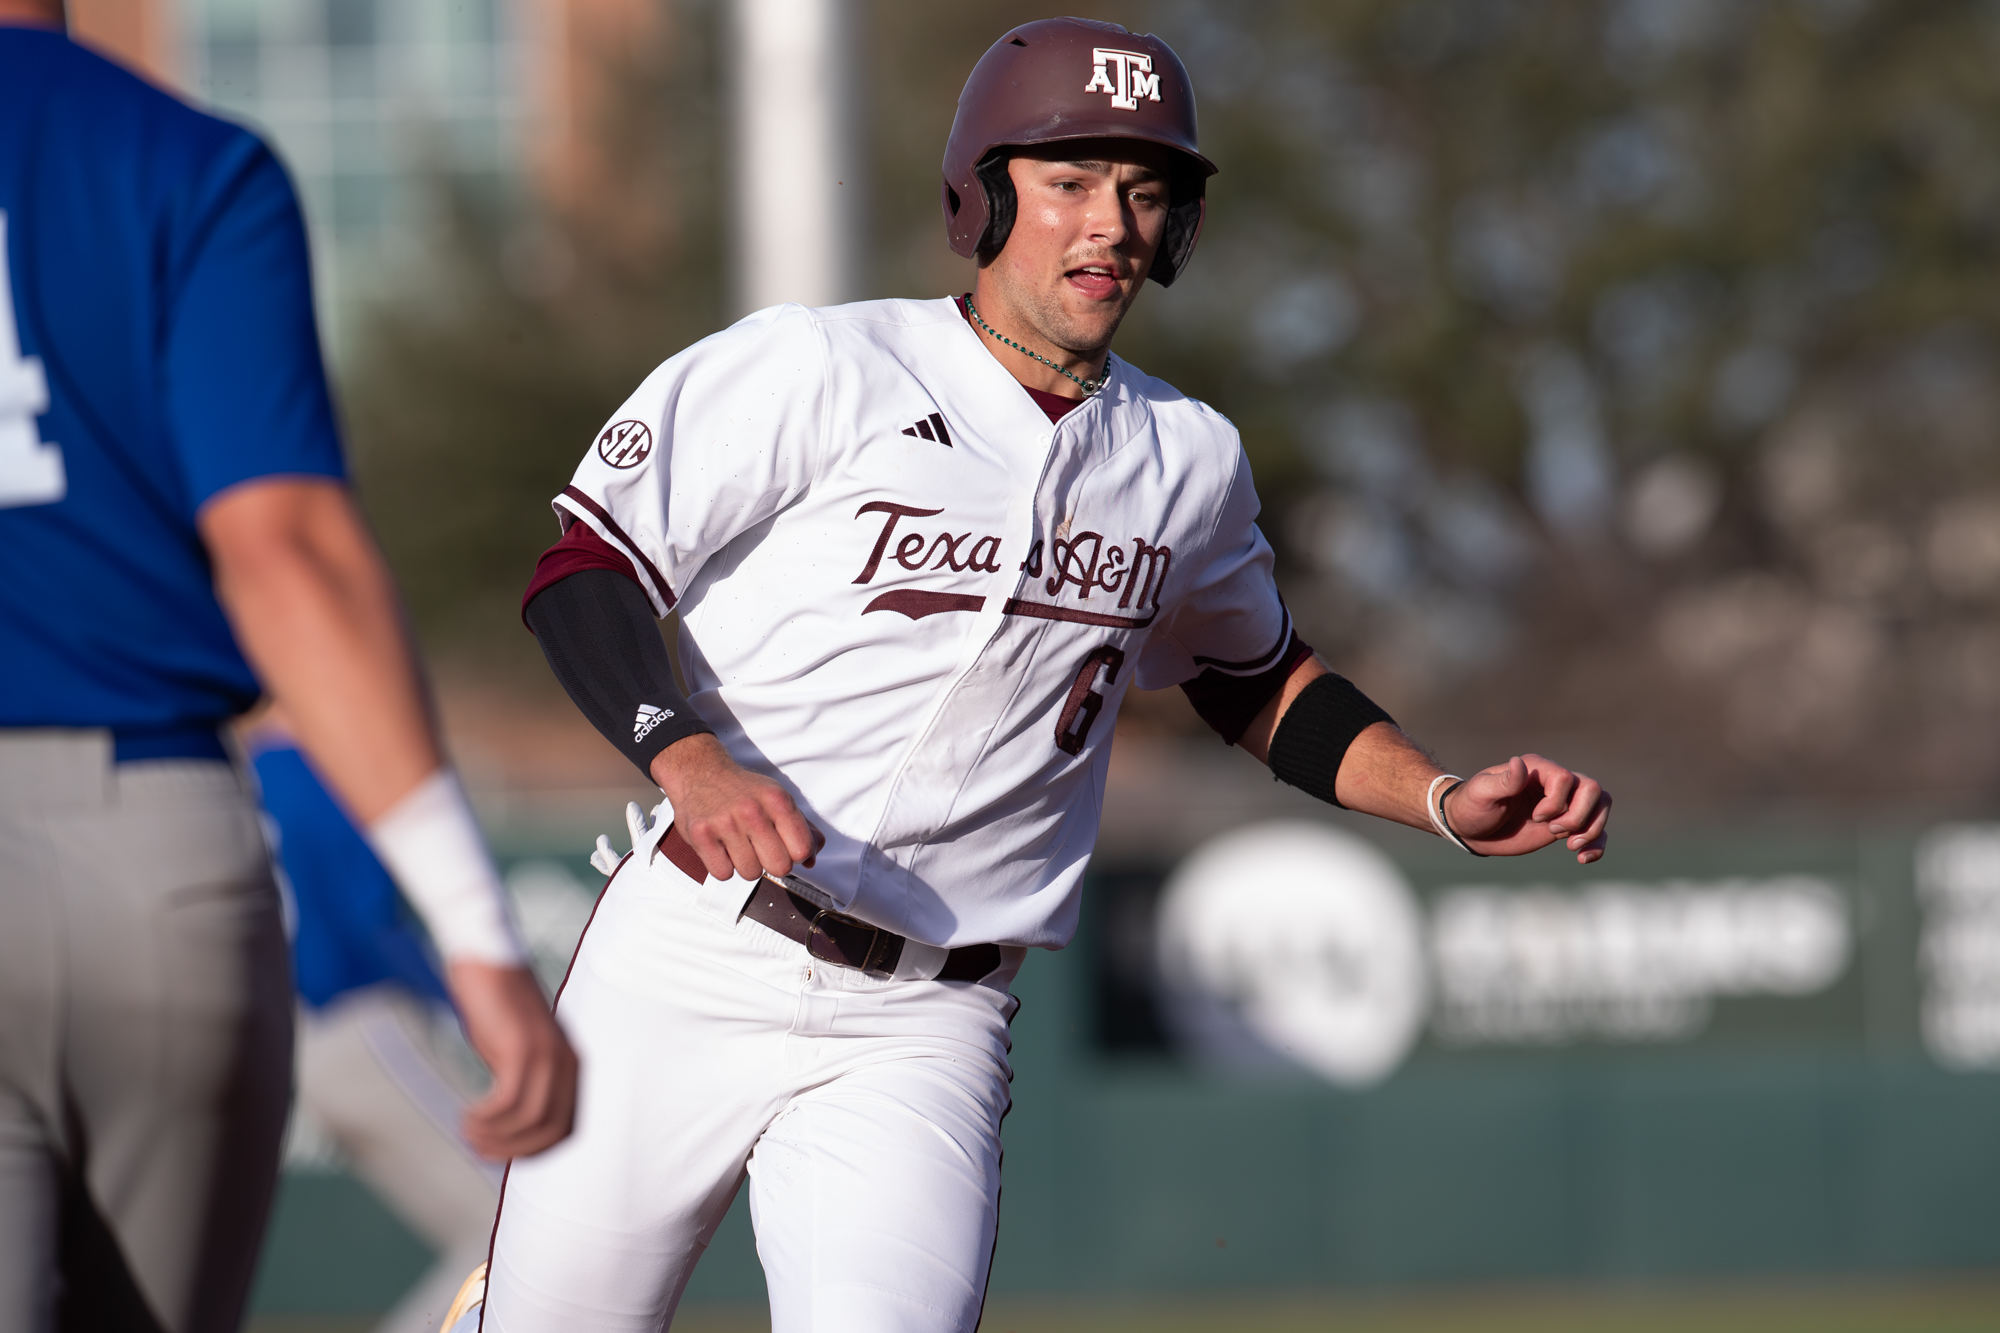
point(648, 718)
point(931, 428)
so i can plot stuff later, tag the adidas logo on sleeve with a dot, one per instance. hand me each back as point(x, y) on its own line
point(931, 428)
point(648, 718)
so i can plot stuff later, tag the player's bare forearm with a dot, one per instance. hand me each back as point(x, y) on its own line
point(316, 612)
point(1384, 773)
point(738, 822)
point(1514, 808)
point(314, 607)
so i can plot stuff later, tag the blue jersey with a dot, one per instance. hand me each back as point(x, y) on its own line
point(156, 347)
point(352, 927)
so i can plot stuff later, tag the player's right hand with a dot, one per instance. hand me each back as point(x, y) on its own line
point(533, 1098)
point(1528, 803)
point(738, 822)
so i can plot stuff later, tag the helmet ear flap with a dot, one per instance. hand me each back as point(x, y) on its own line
point(1000, 203)
point(1177, 244)
point(1188, 191)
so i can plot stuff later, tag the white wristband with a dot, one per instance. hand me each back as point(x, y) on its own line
point(431, 843)
point(1434, 805)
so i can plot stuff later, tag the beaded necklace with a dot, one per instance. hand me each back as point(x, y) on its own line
point(1088, 386)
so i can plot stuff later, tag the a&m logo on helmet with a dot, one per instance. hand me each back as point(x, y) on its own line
point(1134, 77)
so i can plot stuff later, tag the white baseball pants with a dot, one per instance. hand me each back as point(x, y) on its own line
point(866, 1114)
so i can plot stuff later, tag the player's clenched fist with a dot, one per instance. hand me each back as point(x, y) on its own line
point(1526, 804)
point(533, 1098)
point(738, 822)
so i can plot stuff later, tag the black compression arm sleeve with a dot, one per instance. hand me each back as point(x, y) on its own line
point(598, 632)
point(1313, 735)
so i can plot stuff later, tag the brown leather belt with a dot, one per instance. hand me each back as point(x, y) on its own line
point(828, 935)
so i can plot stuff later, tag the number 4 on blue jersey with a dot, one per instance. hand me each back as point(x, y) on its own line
point(31, 471)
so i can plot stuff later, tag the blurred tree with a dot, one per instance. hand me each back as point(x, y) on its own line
point(1615, 370)
point(475, 393)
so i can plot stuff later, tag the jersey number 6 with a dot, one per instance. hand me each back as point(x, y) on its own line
point(1084, 703)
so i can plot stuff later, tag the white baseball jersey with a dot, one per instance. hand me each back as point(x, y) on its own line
point(915, 602)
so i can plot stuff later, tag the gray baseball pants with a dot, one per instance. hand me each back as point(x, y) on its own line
point(145, 1039)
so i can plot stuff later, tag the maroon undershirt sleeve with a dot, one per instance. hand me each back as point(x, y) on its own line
point(579, 549)
point(1230, 703)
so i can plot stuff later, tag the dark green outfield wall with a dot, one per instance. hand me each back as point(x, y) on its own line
point(1707, 1164)
point(1790, 1136)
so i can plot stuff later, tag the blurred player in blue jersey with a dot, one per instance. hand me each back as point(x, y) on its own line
point(177, 538)
point(371, 1074)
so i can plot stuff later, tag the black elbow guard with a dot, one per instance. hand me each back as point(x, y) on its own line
point(598, 631)
point(1313, 735)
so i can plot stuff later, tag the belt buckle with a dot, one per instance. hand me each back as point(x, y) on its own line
point(815, 932)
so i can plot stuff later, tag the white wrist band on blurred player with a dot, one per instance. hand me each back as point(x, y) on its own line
point(431, 843)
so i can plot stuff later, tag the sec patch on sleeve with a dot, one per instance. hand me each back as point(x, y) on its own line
point(625, 443)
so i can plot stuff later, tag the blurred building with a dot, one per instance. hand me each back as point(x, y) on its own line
point(366, 100)
point(379, 106)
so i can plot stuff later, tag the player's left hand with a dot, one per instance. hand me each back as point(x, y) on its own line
point(533, 1098)
point(1527, 803)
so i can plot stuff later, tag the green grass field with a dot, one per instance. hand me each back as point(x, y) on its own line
point(1970, 1306)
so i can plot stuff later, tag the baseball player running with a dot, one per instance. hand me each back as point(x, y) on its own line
point(920, 550)
point(172, 515)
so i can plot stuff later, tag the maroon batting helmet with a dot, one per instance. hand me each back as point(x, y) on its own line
point(1060, 79)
